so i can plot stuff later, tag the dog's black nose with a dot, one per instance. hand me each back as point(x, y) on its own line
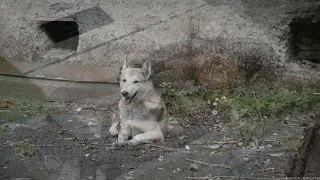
point(124, 93)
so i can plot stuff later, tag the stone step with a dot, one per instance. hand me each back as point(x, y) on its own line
point(55, 90)
point(68, 72)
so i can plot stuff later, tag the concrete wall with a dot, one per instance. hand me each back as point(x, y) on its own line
point(162, 29)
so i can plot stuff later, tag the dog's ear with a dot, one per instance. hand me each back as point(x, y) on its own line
point(125, 64)
point(146, 69)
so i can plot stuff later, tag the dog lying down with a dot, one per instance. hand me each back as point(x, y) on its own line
point(143, 115)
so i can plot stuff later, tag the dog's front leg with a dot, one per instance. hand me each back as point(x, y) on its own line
point(124, 133)
point(114, 129)
point(152, 132)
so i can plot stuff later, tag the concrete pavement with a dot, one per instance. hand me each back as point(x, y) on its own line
point(218, 155)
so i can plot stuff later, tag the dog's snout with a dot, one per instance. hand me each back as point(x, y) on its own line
point(124, 93)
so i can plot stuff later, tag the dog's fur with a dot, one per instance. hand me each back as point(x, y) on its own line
point(143, 114)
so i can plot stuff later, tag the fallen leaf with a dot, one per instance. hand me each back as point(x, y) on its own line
point(213, 152)
point(128, 177)
point(269, 146)
point(182, 137)
point(267, 161)
point(87, 155)
point(261, 147)
point(160, 158)
point(194, 167)
point(276, 155)
point(131, 172)
point(176, 170)
point(79, 109)
point(216, 146)
point(160, 169)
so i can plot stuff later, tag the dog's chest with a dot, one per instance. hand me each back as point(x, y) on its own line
point(138, 112)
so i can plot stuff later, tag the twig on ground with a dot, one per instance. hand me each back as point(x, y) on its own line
point(51, 145)
point(274, 140)
point(223, 142)
point(316, 93)
point(208, 164)
point(161, 147)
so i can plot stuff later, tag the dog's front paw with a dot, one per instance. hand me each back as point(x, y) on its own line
point(117, 144)
point(113, 131)
point(120, 144)
point(134, 142)
point(122, 137)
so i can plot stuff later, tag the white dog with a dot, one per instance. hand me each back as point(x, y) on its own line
point(143, 114)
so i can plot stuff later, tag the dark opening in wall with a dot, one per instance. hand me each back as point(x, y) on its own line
point(305, 39)
point(64, 34)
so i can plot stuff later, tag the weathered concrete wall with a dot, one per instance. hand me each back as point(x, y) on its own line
point(161, 29)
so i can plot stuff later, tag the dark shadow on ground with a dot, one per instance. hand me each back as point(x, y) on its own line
point(30, 145)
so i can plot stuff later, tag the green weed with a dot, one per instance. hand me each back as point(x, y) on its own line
point(256, 106)
point(291, 143)
point(12, 110)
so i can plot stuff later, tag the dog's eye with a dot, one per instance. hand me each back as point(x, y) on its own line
point(135, 81)
point(124, 80)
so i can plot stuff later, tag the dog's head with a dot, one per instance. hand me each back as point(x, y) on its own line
point(134, 81)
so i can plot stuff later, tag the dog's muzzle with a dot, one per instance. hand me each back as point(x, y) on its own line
point(124, 93)
point(127, 98)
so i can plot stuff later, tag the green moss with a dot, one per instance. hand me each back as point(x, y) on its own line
point(13, 110)
point(19, 97)
point(24, 149)
point(21, 89)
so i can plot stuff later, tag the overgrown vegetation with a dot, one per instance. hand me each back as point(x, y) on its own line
point(12, 110)
point(253, 108)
